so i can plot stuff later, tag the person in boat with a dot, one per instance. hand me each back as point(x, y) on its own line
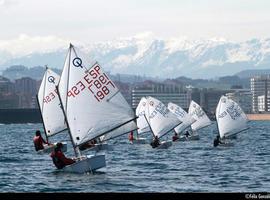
point(187, 134)
point(175, 137)
point(130, 136)
point(217, 141)
point(39, 142)
point(155, 143)
point(88, 145)
point(59, 159)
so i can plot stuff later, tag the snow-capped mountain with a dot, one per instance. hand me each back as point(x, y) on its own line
point(147, 55)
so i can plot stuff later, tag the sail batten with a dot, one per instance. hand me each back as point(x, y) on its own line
point(87, 89)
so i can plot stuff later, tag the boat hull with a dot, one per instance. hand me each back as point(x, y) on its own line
point(164, 145)
point(140, 141)
point(190, 138)
point(100, 147)
point(90, 163)
point(49, 148)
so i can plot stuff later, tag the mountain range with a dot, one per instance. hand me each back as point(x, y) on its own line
point(146, 55)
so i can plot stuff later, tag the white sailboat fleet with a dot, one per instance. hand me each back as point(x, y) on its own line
point(231, 119)
point(160, 120)
point(49, 106)
point(92, 106)
point(86, 102)
point(186, 119)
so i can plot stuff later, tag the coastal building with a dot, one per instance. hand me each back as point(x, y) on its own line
point(259, 85)
point(164, 92)
point(262, 101)
point(243, 97)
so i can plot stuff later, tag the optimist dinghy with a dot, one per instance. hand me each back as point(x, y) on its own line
point(231, 120)
point(51, 113)
point(93, 106)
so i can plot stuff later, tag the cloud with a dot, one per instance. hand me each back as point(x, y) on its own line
point(25, 44)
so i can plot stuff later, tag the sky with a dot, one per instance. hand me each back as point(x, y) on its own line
point(54, 23)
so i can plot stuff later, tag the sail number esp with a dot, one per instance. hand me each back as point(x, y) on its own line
point(95, 81)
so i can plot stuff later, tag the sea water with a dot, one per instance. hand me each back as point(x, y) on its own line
point(193, 166)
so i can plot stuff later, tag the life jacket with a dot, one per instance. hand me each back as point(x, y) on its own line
point(130, 137)
point(38, 143)
point(175, 138)
point(56, 160)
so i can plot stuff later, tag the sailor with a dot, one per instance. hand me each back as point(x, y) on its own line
point(59, 159)
point(175, 137)
point(155, 143)
point(130, 136)
point(88, 145)
point(187, 134)
point(217, 141)
point(39, 141)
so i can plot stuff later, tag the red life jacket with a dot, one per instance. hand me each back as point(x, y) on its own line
point(59, 159)
point(175, 138)
point(38, 143)
point(130, 137)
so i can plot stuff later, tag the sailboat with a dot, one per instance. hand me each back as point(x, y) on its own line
point(93, 106)
point(186, 119)
point(50, 110)
point(142, 124)
point(160, 120)
point(201, 118)
point(231, 119)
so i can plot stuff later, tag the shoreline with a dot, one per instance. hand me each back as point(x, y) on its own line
point(258, 117)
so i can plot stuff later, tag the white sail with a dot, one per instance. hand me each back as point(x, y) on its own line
point(140, 113)
point(199, 115)
point(182, 115)
point(52, 114)
point(92, 102)
point(160, 118)
point(230, 117)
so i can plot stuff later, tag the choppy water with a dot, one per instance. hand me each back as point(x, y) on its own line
point(185, 167)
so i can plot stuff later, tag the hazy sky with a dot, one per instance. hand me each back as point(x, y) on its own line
point(101, 20)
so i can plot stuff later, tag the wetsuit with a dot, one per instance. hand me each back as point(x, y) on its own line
point(60, 160)
point(155, 143)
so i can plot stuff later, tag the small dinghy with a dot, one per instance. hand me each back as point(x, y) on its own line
point(160, 120)
point(231, 120)
point(92, 106)
point(51, 113)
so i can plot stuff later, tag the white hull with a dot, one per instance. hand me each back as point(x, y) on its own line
point(226, 144)
point(48, 149)
point(164, 145)
point(190, 138)
point(141, 141)
point(100, 147)
point(89, 163)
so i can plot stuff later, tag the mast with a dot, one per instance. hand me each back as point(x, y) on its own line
point(41, 109)
point(47, 139)
point(61, 105)
point(149, 125)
